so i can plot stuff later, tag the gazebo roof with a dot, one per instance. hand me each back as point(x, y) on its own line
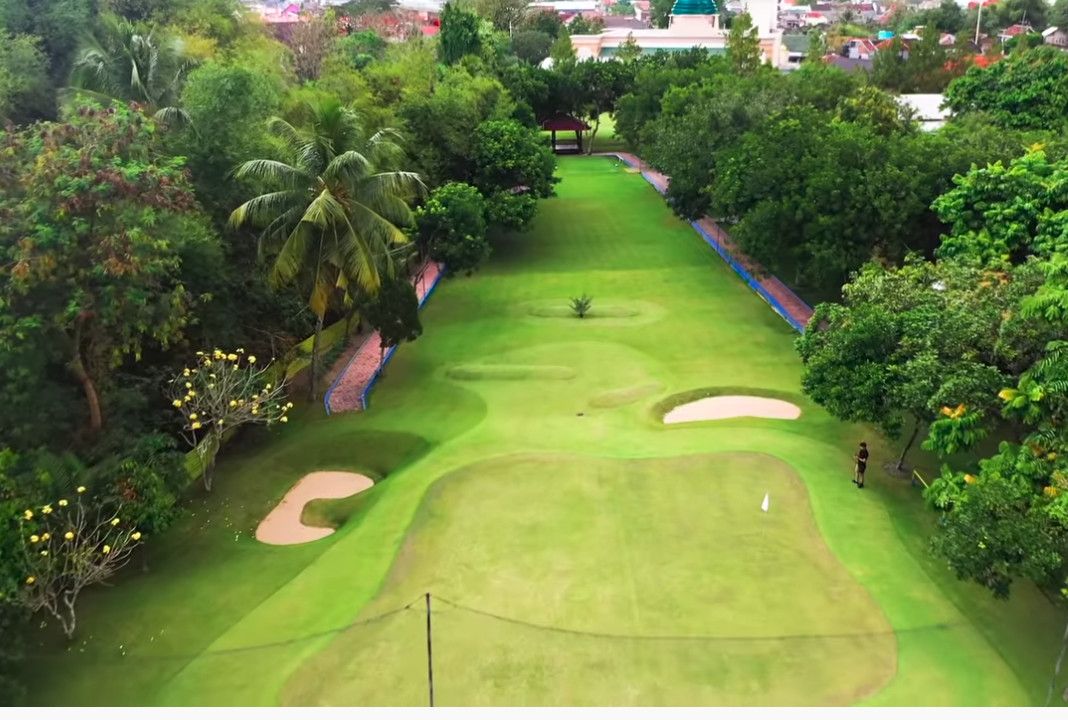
point(564, 123)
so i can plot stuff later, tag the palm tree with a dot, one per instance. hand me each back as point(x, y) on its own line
point(125, 61)
point(332, 217)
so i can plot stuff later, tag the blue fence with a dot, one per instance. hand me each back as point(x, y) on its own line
point(385, 359)
point(752, 282)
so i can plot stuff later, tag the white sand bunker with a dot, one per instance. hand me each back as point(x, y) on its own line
point(722, 407)
point(282, 526)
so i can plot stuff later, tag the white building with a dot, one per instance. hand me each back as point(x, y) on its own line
point(693, 23)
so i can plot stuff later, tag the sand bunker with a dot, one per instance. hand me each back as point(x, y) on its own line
point(722, 407)
point(282, 526)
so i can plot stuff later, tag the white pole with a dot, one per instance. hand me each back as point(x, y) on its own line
point(978, 20)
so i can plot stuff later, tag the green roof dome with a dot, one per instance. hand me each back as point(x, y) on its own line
point(694, 7)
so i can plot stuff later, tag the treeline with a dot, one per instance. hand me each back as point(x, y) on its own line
point(184, 199)
point(817, 171)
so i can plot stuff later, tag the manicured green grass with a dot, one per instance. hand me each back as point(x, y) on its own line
point(523, 472)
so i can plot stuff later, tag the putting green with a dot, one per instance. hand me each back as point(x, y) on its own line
point(658, 581)
point(523, 470)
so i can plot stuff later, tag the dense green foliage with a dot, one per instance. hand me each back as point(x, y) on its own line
point(173, 117)
point(973, 344)
point(1027, 90)
point(452, 227)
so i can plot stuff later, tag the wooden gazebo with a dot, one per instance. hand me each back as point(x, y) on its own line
point(565, 123)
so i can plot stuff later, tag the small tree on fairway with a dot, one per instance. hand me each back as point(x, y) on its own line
point(394, 313)
point(68, 546)
point(220, 392)
point(581, 305)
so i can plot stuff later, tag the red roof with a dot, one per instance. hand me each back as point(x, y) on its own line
point(563, 123)
point(1014, 30)
point(431, 30)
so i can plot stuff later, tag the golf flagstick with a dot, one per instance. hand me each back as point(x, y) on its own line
point(767, 502)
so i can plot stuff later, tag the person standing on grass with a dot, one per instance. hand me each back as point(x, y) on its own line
point(861, 459)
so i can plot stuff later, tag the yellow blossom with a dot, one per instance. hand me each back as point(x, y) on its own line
point(44, 553)
point(46, 510)
point(28, 515)
point(176, 403)
point(35, 538)
point(31, 580)
point(970, 479)
point(81, 488)
point(63, 503)
point(200, 352)
point(185, 372)
point(252, 358)
point(289, 405)
point(196, 425)
point(267, 386)
point(135, 536)
point(211, 385)
point(114, 521)
point(219, 423)
point(255, 411)
point(107, 549)
point(283, 419)
point(232, 357)
point(192, 393)
point(188, 385)
point(69, 535)
point(45, 536)
point(233, 403)
point(241, 351)
point(192, 416)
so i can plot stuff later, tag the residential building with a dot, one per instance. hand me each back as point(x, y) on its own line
point(1057, 37)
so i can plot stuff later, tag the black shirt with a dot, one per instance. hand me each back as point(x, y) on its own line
point(862, 458)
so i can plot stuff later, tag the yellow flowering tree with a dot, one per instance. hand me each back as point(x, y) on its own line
point(69, 545)
point(222, 391)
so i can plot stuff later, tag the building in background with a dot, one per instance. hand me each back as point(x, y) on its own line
point(693, 23)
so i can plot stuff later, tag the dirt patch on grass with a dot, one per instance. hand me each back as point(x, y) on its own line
point(283, 525)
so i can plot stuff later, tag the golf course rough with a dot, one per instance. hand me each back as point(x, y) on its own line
point(577, 549)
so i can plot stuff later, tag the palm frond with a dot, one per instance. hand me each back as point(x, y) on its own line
point(292, 256)
point(273, 172)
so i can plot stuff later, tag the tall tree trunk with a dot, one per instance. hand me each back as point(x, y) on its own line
point(593, 135)
point(66, 615)
point(908, 445)
point(315, 358)
point(92, 397)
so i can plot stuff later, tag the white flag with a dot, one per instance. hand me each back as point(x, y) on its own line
point(767, 501)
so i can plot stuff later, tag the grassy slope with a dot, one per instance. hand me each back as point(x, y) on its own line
point(240, 619)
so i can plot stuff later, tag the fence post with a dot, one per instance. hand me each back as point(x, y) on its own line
point(429, 653)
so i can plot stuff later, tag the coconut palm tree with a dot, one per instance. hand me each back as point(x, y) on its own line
point(332, 217)
point(125, 61)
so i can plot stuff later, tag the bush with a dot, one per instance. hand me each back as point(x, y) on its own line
point(452, 227)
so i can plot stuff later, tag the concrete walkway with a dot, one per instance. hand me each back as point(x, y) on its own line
point(797, 311)
point(349, 391)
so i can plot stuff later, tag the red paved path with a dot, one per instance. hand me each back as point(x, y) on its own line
point(347, 391)
point(786, 297)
